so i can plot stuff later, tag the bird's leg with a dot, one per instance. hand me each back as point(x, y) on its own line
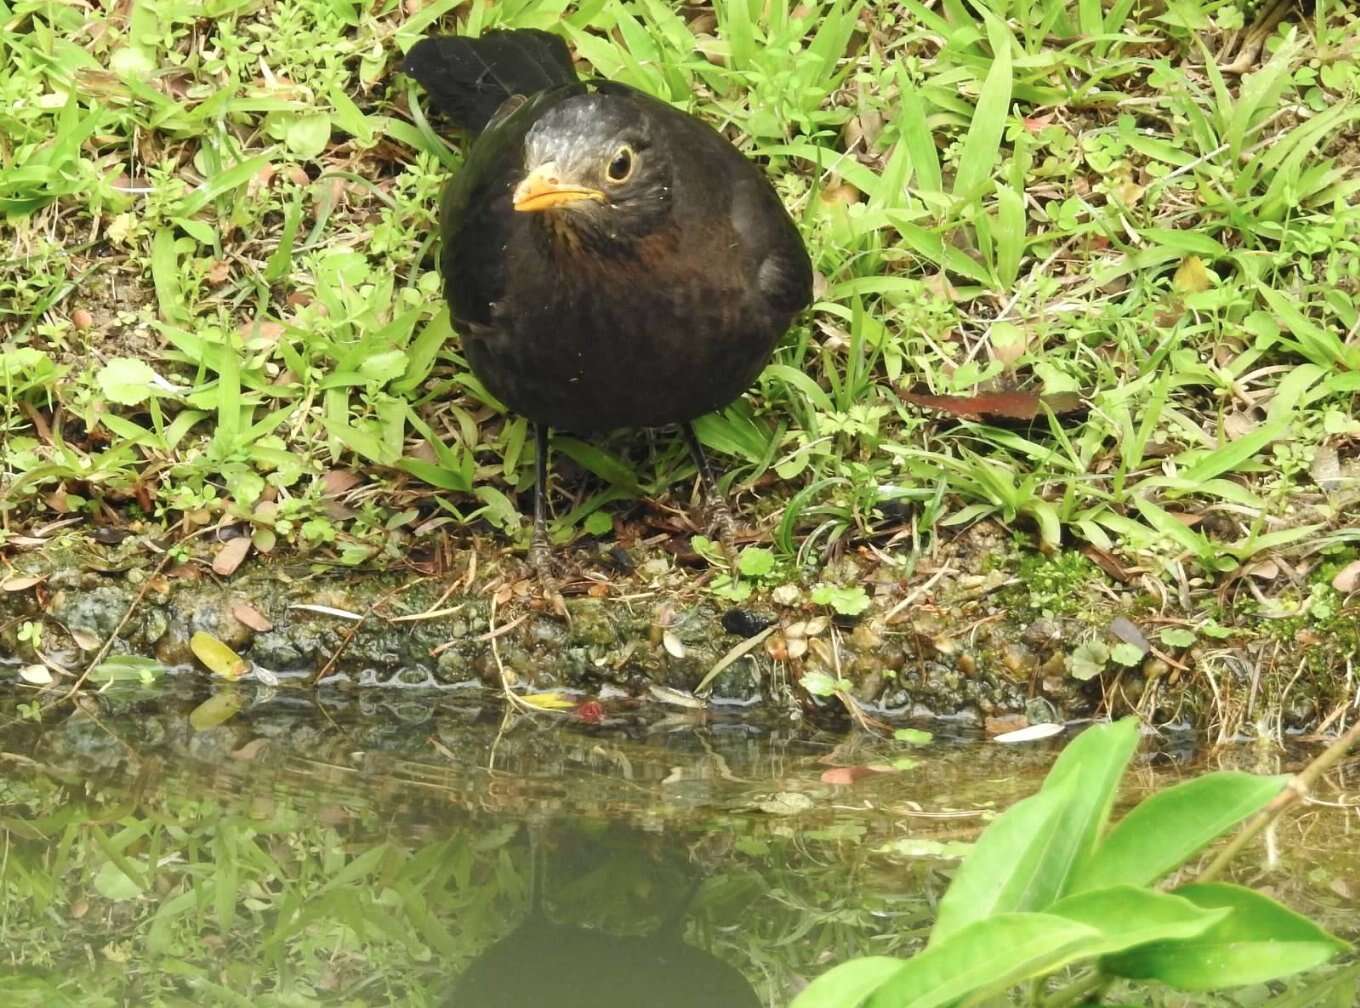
point(540, 553)
point(1247, 42)
point(720, 514)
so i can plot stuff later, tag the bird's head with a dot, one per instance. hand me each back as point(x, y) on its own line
point(595, 174)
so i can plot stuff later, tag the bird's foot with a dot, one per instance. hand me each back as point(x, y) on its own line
point(540, 559)
point(1246, 43)
point(723, 528)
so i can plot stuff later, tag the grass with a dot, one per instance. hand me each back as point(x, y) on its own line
point(218, 302)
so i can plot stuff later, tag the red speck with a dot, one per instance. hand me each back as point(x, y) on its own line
point(591, 712)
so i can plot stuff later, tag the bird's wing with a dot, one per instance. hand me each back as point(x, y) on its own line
point(470, 78)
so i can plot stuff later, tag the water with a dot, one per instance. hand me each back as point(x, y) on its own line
point(415, 850)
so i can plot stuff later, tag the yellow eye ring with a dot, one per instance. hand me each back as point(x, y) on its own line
point(621, 167)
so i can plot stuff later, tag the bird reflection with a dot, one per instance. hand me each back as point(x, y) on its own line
point(562, 955)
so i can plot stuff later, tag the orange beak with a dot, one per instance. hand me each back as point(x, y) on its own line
point(542, 190)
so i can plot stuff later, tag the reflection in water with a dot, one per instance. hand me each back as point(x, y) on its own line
point(585, 965)
point(417, 851)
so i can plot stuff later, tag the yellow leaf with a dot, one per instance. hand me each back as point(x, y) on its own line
point(1191, 276)
point(548, 701)
point(217, 709)
point(220, 659)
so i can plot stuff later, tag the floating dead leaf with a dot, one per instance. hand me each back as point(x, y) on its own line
point(674, 646)
point(1192, 276)
point(251, 617)
point(815, 626)
point(267, 676)
point(219, 659)
point(1033, 733)
point(1347, 579)
point(231, 554)
point(20, 582)
point(36, 675)
point(795, 647)
point(998, 407)
point(85, 640)
point(846, 774)
point(551, 700)
point(217, 709)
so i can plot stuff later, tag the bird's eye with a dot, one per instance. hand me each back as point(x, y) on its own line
point(622, 165)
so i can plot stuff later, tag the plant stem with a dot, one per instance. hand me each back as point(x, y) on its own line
point(1078, 990)
point(1295, 791)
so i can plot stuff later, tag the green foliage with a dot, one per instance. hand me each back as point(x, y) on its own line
point(995, 194)
point(1048, 887)
point(850, 600)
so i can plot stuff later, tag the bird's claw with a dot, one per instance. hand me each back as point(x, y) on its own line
point(723, 527)
point(540, 559)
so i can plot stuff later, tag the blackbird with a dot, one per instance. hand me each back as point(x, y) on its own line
point(609, 261)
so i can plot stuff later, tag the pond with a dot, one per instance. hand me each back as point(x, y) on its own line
point(388, 847)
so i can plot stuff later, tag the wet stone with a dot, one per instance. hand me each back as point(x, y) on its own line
point(97, 611)
point(745, 622)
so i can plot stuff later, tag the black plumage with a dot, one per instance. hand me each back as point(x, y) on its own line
point(609, 261)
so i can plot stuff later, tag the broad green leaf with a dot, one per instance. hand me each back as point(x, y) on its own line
point(1170, 826)
point(1259, 940)
point(1233, 454)
point(986, 955)
point(1129, 916)
point(113, 885)
point(977, 158)
point(1019, 863)
point(848, 600)
point(237, 175)
point(604, 465)
point(847, 985)
point(435, 475)
point(305, 134)
point(383, 367)
point(165, 275)
point(422, 352)
point(755, 561)
point(1095, 760)
point(219, 659)
point(126, 668)
point(126, 381)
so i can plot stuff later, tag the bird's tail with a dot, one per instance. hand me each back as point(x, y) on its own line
point(469, 78)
